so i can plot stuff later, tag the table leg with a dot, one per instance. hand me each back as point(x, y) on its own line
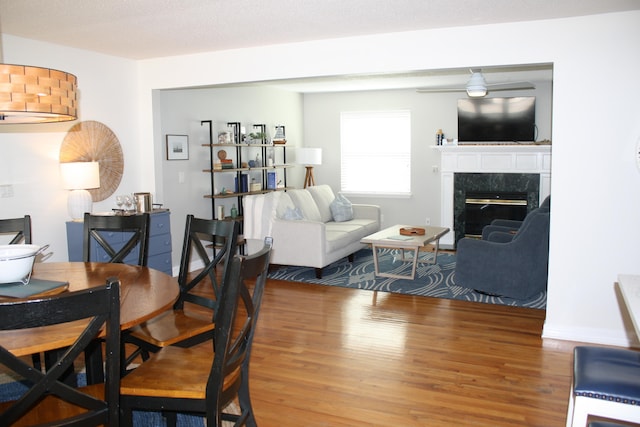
point(392, 275)
point(375, 259)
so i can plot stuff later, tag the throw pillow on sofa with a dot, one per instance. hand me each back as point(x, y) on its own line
point(284, 204)
point(292, 214)
point(302, 200)
point(341, 209)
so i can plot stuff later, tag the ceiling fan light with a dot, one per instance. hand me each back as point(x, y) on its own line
point(476, 86)
point(476, 92)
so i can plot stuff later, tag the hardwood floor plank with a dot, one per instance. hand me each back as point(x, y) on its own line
point(326, 356)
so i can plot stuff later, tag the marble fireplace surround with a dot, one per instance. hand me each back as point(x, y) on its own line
point(488, 159)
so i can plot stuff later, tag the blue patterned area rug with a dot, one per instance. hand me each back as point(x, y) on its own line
point(431, 280)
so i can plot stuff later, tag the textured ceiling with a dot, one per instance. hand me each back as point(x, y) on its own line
point(140, 29)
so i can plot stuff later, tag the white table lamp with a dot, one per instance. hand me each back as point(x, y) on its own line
point(78, 177)
point(309, 157)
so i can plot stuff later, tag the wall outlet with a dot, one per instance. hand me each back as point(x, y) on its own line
point(427, 221)
point(6, 190)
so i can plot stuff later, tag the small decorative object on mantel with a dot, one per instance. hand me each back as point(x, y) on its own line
point(412, 231)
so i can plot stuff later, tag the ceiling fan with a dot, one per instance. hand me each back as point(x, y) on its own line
point(478, 87)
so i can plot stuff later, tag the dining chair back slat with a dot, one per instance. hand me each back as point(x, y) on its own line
point(21, 227)
point(49, 399)
point(222, 237)
point(135, 228)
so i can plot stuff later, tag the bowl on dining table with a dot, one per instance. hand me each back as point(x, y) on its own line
point(16, 263)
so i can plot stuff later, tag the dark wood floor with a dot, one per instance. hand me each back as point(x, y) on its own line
point(328, 356)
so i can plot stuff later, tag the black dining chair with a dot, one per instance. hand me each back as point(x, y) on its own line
point(116, 237)
point(190, 320)
point(201, 380)
point(21, 227)
point(49, 400)
point(112, 239)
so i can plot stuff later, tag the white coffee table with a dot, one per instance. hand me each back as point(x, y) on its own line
point(391, 238)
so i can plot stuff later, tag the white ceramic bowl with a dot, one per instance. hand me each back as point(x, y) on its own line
point(16, 262)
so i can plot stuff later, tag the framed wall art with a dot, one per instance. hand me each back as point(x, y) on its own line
point(177, 147)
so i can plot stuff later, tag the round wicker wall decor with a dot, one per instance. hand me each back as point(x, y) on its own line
point(93, 141)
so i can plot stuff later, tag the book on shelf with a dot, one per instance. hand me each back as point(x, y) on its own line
point(271, 180)
point(244, 183)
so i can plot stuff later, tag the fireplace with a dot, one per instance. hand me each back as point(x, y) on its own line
point(489, 168)
point(480, 208)
point(522, 189)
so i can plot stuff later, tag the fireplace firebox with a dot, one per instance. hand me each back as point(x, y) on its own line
point(483, 207)
point(480, 198)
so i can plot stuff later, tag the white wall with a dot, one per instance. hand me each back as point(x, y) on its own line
point(594, 227)
point(29, 160)
point(181, 112)
point(429, 112)
point(594, 223)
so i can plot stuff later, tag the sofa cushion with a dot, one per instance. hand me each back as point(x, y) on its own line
point(341, 234)
point(341, 209)
point(323, 196)
point(285, 204)
point(302, 199)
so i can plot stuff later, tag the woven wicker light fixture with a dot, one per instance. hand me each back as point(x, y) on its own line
point(36, 95)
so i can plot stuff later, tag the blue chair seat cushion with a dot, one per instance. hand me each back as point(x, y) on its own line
point(607, 373)
point(605, 424)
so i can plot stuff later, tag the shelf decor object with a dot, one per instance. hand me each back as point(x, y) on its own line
point(177, 147)
point(36, 95)
point(309, 157)
point(92, 141)
point(80, 177)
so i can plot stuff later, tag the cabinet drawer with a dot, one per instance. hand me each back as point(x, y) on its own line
point(159, 224)
point(159, 244)
point(161, 262)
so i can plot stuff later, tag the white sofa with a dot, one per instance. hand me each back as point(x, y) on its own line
point(303, 228)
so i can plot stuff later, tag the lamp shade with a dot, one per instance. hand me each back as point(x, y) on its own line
point(36, 95)
point(476, 86)
point(309, 156)
point(80, 175)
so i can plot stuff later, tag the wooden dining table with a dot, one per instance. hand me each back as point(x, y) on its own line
point(144, 293)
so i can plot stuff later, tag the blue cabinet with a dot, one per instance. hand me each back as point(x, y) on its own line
point(159, 254)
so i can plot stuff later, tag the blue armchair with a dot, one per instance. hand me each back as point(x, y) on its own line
point(506, 264)
point(510, 225)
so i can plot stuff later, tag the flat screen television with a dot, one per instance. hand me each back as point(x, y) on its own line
point(497, 119)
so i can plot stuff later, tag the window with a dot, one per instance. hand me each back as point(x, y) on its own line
point(376, 152)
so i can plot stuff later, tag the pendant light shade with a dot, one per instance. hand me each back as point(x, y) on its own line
point(476, 86)
point(36, 95)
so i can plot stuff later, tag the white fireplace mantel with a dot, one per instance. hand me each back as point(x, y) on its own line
point(484, 158)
